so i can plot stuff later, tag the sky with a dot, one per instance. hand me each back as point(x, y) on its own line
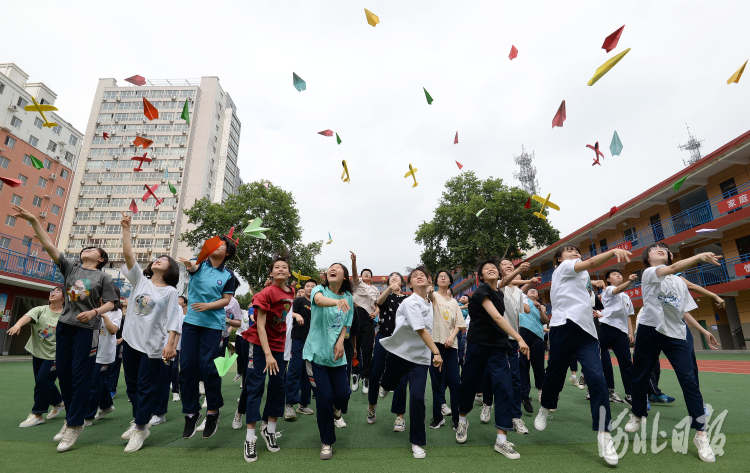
point(366, 84)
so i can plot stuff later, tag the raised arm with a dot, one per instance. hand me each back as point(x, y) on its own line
point(384, 295)
point(705, 292)
point(323, 301)
point(355, 276)
point(598, 260)
point(686, 263)
point(631, 279)
point(509, 278)
point(44, 239)
point(127, 244)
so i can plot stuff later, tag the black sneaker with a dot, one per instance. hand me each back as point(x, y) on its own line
point(629, 400)
point(365, 385)
point(270, 440)
point(212, 422)
point(455, 424)
point(437, 423)
point(250, 453)
point(191, 423)
point(582, 380)
point(527, 405)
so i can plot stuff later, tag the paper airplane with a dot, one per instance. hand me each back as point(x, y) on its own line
point(141, 159)
point(142, 142)
point(679, 183)
point(326, 133)
point(172, 188)
point(513, 52)
point(612, 211)
point(338, 140)
point(598, 153)
point(150, 192)
point(427, 94)
point(460, 166)
point(266, 184)
point(559, 116)
point(133, 207)
point(480, 212)
point(545, 203)
point(186, 112)
point(255, 229)
point(616, 146)
point(372, 19)
point(149, 110)
point(35, 162)
point(604, 68)
point(230, 234)
point(527, 205)
point(706, 230)
point(211, 245)
point(136, 80)
point(455, 140)
point(10, 181)
point(299, 276)
point(105, 135)
point(299, 84)
point(412, 172)
point(346, 171)
point(736, 76)
point(610, 42)
point(330, 240)
point(41, 108)
point(223, 364)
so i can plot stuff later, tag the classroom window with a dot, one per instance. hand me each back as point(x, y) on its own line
point(631, 234)
point(47, 164)
point(10, 221)
point(37, 202)
point(68, 156)
point(51, 228)
point(10, 142)
point(64, 173)
point(22, 103)
point(73, 140)
point(603, 245)
point(4, 242)
point(56, 209)
point(42, 183)
point(27, 160)
point(4, 162)
point(23, 179)
point(56, 130)
point(52, 146)
point(592, 250)
point(38, 122)
point(60, 191)
point(26, 241)
point(15, 122)
point(16, 199)
point(33, 140)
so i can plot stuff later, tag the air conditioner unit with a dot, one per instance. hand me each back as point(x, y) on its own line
point(163, 180)
point(98, 181)
point(174, 206)
point(80, 194)
point(90, 235)
point(117, 121)
point(106, 169)
point(104, 100)
point(169, 248)
point(91, 207)
point(166, 145)
point(174, 97)
point(88, 158)
point(143, 120)
point(43, 214)
point(171, 121)
point(48, 196)
point(115, 158)
point(109, 195)
point(75, 206)
point(182, 156)
point(171, 233)
point(12, 108)
point(53, 177)
point(121, 145)
point(102, 222)
point(179, 179)
point(98, 122)
point(181, 167)
point(182, 145)
point(184, 132)
point(172, 221)
point(34, 254)
point(113, 133)
point(144, 133)
point(118, 99)
point(153, 221)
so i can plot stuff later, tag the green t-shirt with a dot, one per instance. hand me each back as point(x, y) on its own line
point(43, 325)
point(325, 327)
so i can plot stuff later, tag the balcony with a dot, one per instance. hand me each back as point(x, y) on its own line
point(27, 259)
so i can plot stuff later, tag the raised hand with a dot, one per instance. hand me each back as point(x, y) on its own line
point(125, 222)
point(354, 257)
point(189, 265)
point(621, 254)
point(710, 258)
point(22, 213)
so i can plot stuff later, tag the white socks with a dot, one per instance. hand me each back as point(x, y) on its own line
point(462, 419)
point(250, 435)
point(271, 427)
point(501, 438)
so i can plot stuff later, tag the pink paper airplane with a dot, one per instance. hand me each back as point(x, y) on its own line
point(610, 42)
point(133, 208)
point(136, 80)
point(150, 192)
point(10, 181)
point(598, 153)
point(513, 53)
point(455, 140)
point(460, 166)
point(142, 159)
point(326, 133)
point(559, 116)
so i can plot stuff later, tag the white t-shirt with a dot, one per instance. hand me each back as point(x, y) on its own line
point(513, 305)
point(665, 301)
point(107, 341)
point(245, 322)
point(413, 314)
point(233, 312)
point(571, 299)
point(152, 312)
point(617, 308)
point(288, 342)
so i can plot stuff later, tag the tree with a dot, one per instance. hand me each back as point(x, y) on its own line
point(456, 239)
point(277, 209)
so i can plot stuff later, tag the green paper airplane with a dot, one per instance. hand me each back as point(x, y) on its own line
point(679, 183)
point(224, 363)
point(172, 189)
point(427, 94)
point(338, 140)
point(254, 229)
point(35, 162)
point(186, 112)
point(480, 212)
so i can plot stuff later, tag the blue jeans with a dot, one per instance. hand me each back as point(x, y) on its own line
point(495, 360)
point(449, 377)
point(398, 404)
point(45, 391)
point(331, 386)
point(567, 341)
point(396, 369)
point(255, 382)
point(617, 340)
point(141, 374)
point(75, 360)
point(99, 396)
point(535, 362)
point(513, 362)
point(200, 347)
point(296, 378)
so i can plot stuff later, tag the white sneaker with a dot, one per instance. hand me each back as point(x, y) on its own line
point(479, 399)
point(126, 435)
point(289, 412)
point(484, 416)
point(634, 424)
point(613, 397)
point(355, 382)
point(156, 420)
point(365, 386)
point(201, 388)
point(236, 378)
point(326, 452)
point(704, 448)
point(175, 397)
point(520, 426)
point(446, 410)
point(69, 438)
point(382, 393)
point(371, 416)
point(506, 448)
point(32, 420)
point(250, 451)
point(573, 379)
point(399, 425)
point(60, 434)
point(205, 403)
point(87, 423)
point(136, 440)
point(607, 448)
point(339, 421)
point(540, 423)
point(462, 431)
point(201, 427)
point(56, 411)
point(103, 412)
point(237, 421)
point(540, 396)
point(304, 410)
point(418, 451)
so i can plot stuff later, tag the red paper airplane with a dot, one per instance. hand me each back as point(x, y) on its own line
point(455, 140)
point(149, 110)
point(513, 53)
point(105, 135)
point(559, 116)
point(142, 142)
point(610, 42)
point(231, 232)
point(612, 211)
point(150, 192)
point(527, 205)
point(142, 159)
point(598, 153)
point(136, 80)
point(460, 166)
point(326, 133)
point(11, 182)
point(133, 208)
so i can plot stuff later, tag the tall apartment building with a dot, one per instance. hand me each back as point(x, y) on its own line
point(199, 159)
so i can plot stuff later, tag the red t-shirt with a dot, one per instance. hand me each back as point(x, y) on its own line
point(276, 303)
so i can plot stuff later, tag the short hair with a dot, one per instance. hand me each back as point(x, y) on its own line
point(559, 252)
point(363, 272)
point(485, 262)
point(102, 254)
point(346, 285)
point(171, 275)
point(284, 258)
point(311, 280)
point(606, 276)
point(646, 251)
point(184, 299)
point(231, 247)
point(421, 268)
point(450, 276)
point(399, 275)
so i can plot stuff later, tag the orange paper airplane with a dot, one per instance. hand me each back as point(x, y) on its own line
point(149, 110)
point(142, 142)
point(211, 245)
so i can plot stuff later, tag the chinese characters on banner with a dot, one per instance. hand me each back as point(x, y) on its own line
point(742, 269)
point(634, 293)
point(733, 202)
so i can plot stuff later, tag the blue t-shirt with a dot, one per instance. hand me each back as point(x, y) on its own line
point(531, 321)
point(325, 327)
point(209, 284)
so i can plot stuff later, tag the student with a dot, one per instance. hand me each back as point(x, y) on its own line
point(240, 347)
point(532, 331)
point(152, 312)
point(573, 333)
point(210, 290)
point(174, 372)
point(351, 338)
point(388, 304)
point(487, 346)
point(113, 372)
point(617, 332)
point(164, 378)
point(267, 339)
point(463, 302)
point(77, 328)
point(100, 396)
point(662, 328)
point(577, 382)
point(41, 345)
point(409, 354)
point(244, 359)
point(233, 315)
point(365, 298)
point(325, 362)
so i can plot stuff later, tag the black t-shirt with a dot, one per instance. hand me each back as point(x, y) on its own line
point(301, 306)
point(483, 330)
point(388, 313)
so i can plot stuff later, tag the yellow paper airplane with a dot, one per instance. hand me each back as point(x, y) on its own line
point(412, 173)
point(41, 108)
point(736, 76)
point(372, 18)
point(346, 171)
point(604, 68)
point(330, 240)
point(299, 276)
point(545, 203)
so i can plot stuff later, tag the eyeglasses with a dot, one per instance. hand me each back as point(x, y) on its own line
point(161, 258)
point(658, 248)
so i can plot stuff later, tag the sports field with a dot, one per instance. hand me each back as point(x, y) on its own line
point(568, 444)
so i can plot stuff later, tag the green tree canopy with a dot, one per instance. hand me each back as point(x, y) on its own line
point(457, 239)
point(277, 209)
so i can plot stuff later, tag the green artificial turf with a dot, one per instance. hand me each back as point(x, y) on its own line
point(568, 443)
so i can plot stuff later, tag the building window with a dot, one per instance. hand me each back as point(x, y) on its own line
point(2, 87)
point(27, 160)
point(52, 146)
point(50, 228)
point(42, 183)
point(592, 250)
point(38, 122)
point(26, 241)
point(60, 191)
point(603, 245)
point(16, 199)
point(56, 209)
point(4, 162)
point(21, 102)
point(64, 174)
point(10, 221)
point(23, 179)
point(47, 164)
point(10, 142)
point(37, 202)
point(56, 130)
point(33, 140)
point(631, 234)
point(15, 122)
point(73, 140)
point(4, 242)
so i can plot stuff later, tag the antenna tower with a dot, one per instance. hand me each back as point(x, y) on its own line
point(694, 146)
point(527, 173)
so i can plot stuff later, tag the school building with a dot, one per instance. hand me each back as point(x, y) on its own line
point(709, 212)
